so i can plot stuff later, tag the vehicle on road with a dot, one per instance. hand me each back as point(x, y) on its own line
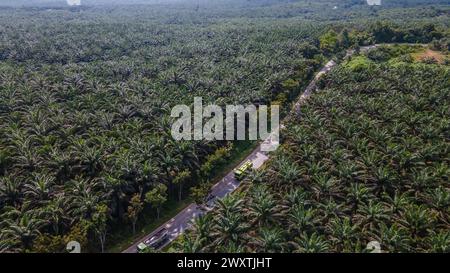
point(155, 241)
point(209, 197)
point(243, 170)
point(210, 202)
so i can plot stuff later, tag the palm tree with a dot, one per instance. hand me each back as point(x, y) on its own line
point(55, 213)
point(188, 154)
point(418, 220)
point(4, 160)
point(394, 238)
point(301, 219)
point(296, 196)
point(231, 247)
point(83, 206)
point(263, 209)
point(170, 164)
point(398, 202)
point(25, 154)
point(148, 176)
point(230, 204)
point(90, 159)
point(385, 179)
point(11, 191)
point(439, 241)
point(61, 163)
point(84, 198)
point(313, 243)
point(358, 193)
point(21, 227)
point(229, 227)
point(288, 173)
point(255, 176)
point(203, 225)
point(343, 233)
point(6, 245)
point(421, 180)
point(324, 186)
point(329, 209)
point(40, 189)
point(270, 240)
point(439, 198)
point(189, 243)
point(229, 224)
point(369, 214)
point(118, 189)
point(350, 171)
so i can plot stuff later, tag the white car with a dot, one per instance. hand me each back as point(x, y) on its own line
point(155, 241)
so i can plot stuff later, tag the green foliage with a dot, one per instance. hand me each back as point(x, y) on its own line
point(134, 209)
point(359, 64)
point(290, 84)
point(199, 192)
point(100, 223)
point(329, 42)
point(85, 97)
point(218, 158)
point(386, 32)
point(385, 53)
point(180, 179)
point(46, 243)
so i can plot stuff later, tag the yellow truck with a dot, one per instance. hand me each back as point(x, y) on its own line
point(243, 170)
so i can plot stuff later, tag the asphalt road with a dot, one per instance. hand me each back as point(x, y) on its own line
point(228, 184)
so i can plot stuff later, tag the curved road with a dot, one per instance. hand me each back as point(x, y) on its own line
point(228, 184)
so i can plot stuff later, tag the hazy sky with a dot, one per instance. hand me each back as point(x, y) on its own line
point(74, 2)
point(374, 2)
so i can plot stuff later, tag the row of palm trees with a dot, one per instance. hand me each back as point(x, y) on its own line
point(366, 160)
